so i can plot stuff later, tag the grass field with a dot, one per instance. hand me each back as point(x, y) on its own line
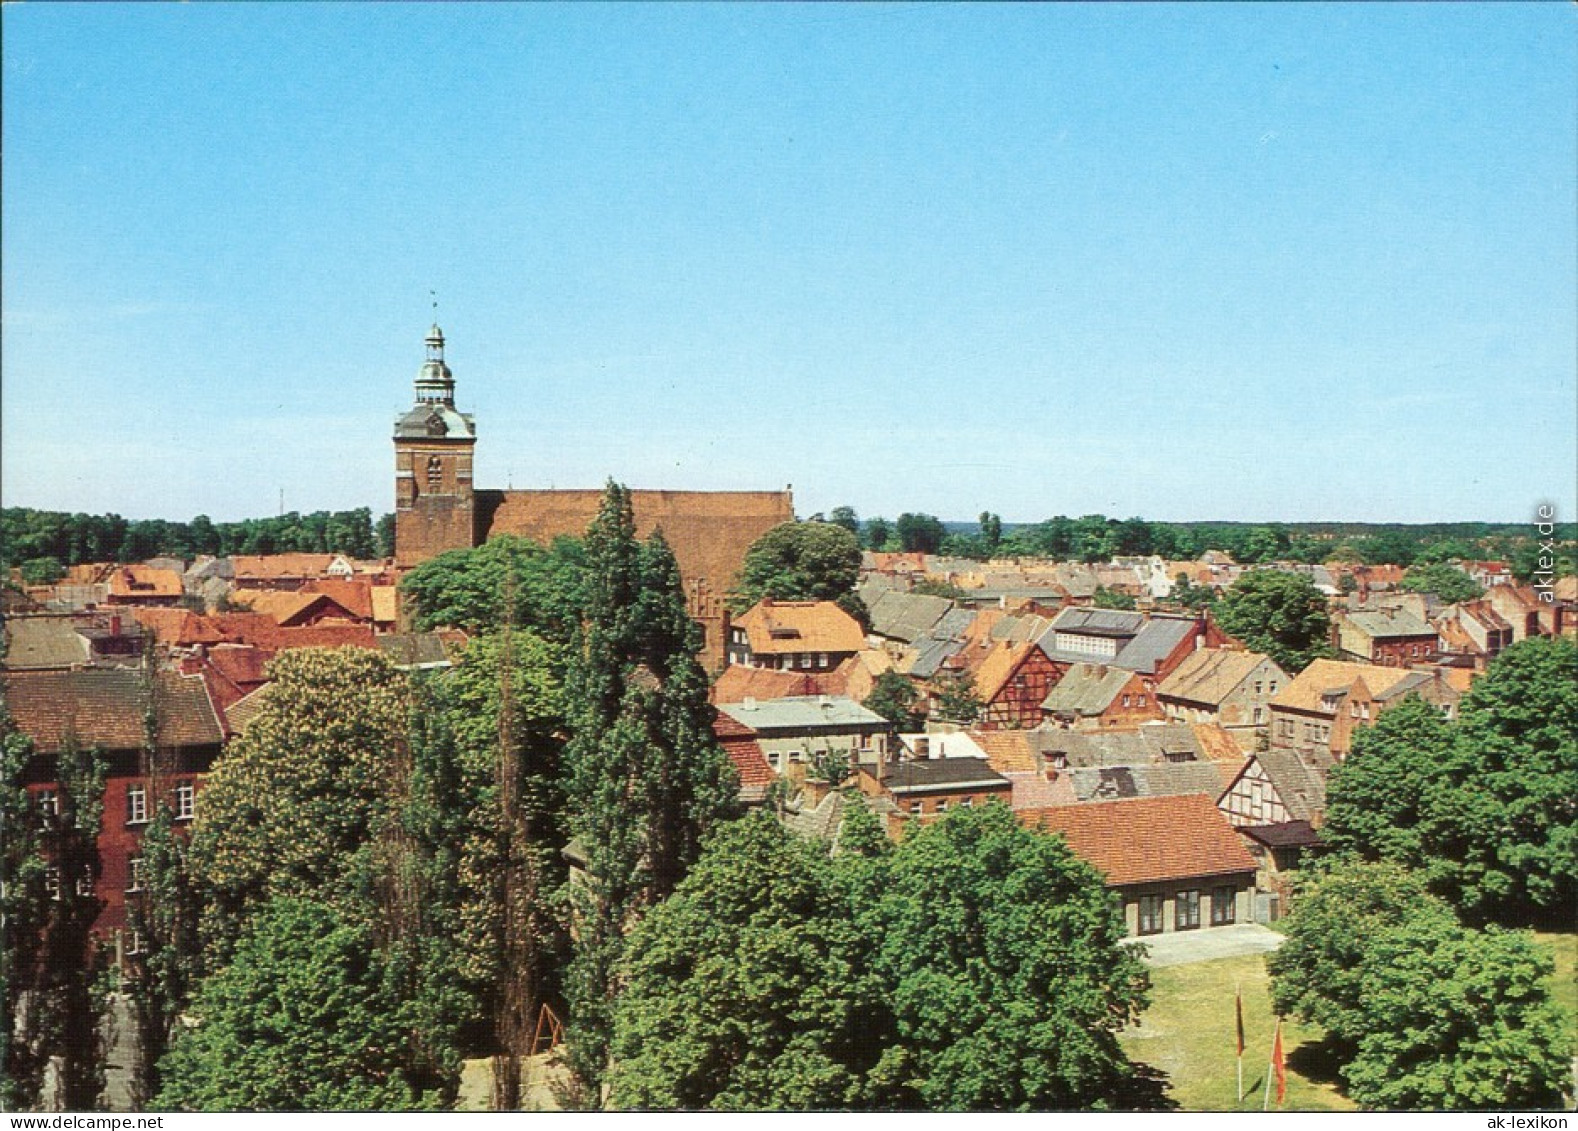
point(1188, 1033)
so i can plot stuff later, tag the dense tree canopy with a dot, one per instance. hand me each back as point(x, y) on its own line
point(799, 561)
point(1280, 614)
point(307, 1016)
point(1447, 582)
point(1423, 1012)
point(1486, 808)
point(975, 967)
point(505, 579)
point(746, 989)
point(895, 698)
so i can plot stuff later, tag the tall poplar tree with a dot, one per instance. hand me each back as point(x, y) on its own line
point(645, 777)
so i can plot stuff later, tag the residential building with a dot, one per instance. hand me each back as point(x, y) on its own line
point(1012, 682)
point(1098, 697)
point(1389, 637)
point(794, 635)
point(923, 790)
point(794, 732)
point(1320, 710)
point(1473, 631)
point(142, 585)
point(1232, 689)
point(109, 710)
point(1174, 862)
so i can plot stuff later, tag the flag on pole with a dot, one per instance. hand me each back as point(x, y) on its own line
point(1279, 1065)
point(1238, 1009)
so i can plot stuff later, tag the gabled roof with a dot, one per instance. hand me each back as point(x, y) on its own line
point(1008, 751)
point(143, 581)
point(786, 627)
point(1149, 839)
point(737, 683)
point(1166, 779)
point(936, 775)
point(354, 595)
point(43, 642)
point(999, 667)
point(905, 616)
point(807, 712)
point(106, 708)
point(276, 567)
point(1299, 779)
point(739, 743)
point(1388, 624)
point(1087, 690)
point(289, 608)
point(1210, 675)
point(261, 631)
point(1322, 677)
point(1143, 642)
point(178, 628)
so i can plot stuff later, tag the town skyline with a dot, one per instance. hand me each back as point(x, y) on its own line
point(1191, 264)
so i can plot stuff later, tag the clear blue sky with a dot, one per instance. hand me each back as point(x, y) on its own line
point(1195, 262)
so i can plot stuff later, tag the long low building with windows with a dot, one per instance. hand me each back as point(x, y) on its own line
point(1175, 862)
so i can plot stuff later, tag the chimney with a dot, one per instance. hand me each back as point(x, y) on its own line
point(115, 624)
point(748, 704)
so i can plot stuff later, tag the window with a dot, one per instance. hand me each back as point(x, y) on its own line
point(52, 881)
point(915, 808)
point(139, 875)
point(967, 803)
point(1260, 715)
point(1125, 700)
point(185, 801)
point(84, 884)
point(1150, 914)
point(435, 473)
point(136, 804)
point(48, 806)
point(1224, 906)
point(1186, 910)
point(942, 805)
point(1139, 700)
point(821, 659)
point(135, 943)
point(805, 659)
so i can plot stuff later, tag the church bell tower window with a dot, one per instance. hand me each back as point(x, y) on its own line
point(435, 473)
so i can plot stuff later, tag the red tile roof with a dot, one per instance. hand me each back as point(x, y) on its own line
point(178, 627)
point(355, 597)
point(1145, 840)
point(262, 632)
point(106, 707)
point(141, 581)
point(738, 683)
point(779, 627)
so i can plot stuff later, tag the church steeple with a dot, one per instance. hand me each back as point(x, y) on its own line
point(435, 384)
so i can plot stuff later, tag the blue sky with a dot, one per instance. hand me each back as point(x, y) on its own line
point(1198, 262)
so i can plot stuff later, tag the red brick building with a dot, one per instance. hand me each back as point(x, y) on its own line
point(438, 508)
point(105, 709)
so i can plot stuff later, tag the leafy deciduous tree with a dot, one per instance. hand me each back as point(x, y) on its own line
point(798, 561)
point(1280, 614)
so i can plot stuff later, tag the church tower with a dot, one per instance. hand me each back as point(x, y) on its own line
point(435, 504)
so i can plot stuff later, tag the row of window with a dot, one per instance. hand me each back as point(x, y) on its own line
point(918, 807)
point(137, 802)
point(1186, 910)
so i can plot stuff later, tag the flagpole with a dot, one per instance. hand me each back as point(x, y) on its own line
point(1238, 1017)
point(1265, 1103)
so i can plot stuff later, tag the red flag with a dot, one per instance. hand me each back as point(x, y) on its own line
point(1238, 1010)
point(1279, 1065)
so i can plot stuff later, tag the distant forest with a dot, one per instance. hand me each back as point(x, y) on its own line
point(44, 543)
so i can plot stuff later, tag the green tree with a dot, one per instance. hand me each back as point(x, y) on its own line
point(50, 964)
point(955, 699)
point(1503, 831)
point(1423, 1012)
point(895, 698)
point(1458, 1020)
point(42, 571)
point(845, 517)
point(919, 533)
point(747, 988)
point(645, 776)
point(798, 561)
point(543, 588)
point(878, 532)
point(1112, 599)
point(297, 801)
point(999, 953)
point(1378, 799)
point(1190, 596)
point(1447, 582)
point(991, 531)
point(1280, 614)
point(307, 1016)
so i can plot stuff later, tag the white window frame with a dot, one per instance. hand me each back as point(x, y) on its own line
point(138, 874)
point(185, 801)
point(136, 804)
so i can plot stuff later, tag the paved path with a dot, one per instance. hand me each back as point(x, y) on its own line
point(1180, 947)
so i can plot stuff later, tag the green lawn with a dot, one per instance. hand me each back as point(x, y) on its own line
point(1188, 1033)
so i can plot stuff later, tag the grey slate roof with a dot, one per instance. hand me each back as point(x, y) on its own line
point(1087, 689)
point(802, 712)
point(821, 822)
point(1391, 623)
point(905, 616)
point(943, 640)
point(416, 650)
point(43, 642)
point(941, 774)
point(1166, 780)
point(1143, 642)
point(434, 421)
point(1145, 745)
